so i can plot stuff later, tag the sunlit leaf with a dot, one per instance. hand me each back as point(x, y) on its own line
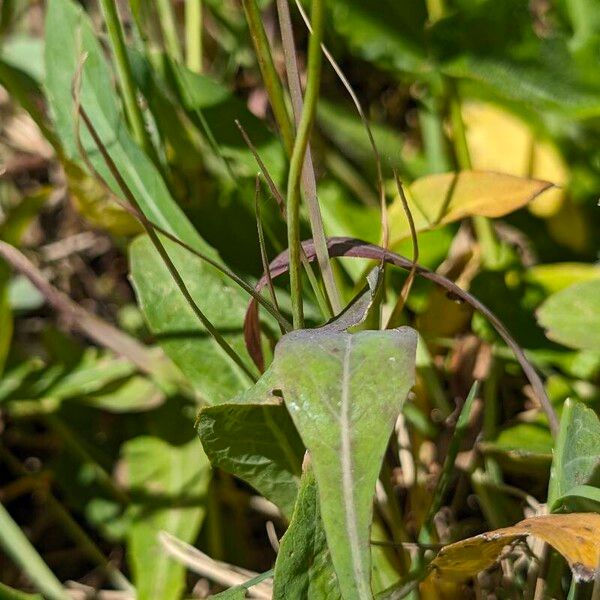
point(576, 536)
point(253, 437)
point(572, 316)
point(340, 388)
point(209, 370)
point(558, 276)
point(514, 151)
point(438, 199)
point(576, 460)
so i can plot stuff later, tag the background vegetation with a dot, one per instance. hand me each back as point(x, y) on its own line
point(138, 455)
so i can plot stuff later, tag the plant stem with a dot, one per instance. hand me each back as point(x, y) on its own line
point(309, 182)
point(193, 35)
point(125, 76)
point(269, 74)
point(484, 228)
point(298, 154)
point(169, 29)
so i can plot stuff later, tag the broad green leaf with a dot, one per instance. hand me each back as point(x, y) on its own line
point(576, 536)
point(168, 484)
point(524, 448)
point(210, 371)
point(344, 392)
point(303, 568)
point(439, 199)
point(572, 316)
point(70, 35)
point(258, 443)
point(577, 453)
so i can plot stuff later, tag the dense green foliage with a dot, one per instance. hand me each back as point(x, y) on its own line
point(178, 419)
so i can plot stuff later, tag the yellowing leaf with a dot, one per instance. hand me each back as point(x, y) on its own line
point(447, 197)
point(576, 536)
point(95, 204)
point(500, 141)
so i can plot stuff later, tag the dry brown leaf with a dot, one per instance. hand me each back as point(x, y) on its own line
point(576, 536)
point(447, 197)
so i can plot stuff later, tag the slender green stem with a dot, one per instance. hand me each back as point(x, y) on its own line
point(169, 29)
point(483, 226)
point(297, 161)
point(309, 182)
point(125, 76)
point(193, 35)
point(269, 73)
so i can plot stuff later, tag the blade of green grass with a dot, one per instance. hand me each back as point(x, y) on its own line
point(22, 552)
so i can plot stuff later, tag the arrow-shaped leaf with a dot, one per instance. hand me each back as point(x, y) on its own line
point(344, 392)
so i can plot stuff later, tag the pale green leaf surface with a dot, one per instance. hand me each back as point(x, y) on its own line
point(572, 316)
point(344, 392)
point(168, 484)
point(205, 364)
point(270, 461)
point(577, 454)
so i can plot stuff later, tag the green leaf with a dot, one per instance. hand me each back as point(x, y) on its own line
point(257, 443)
point(184, 339)
point(70, 35)
point(303, 568)
point(558, 276)
point(577, 454)
point(168, 484)
point(344, 392)
point(572, 316)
